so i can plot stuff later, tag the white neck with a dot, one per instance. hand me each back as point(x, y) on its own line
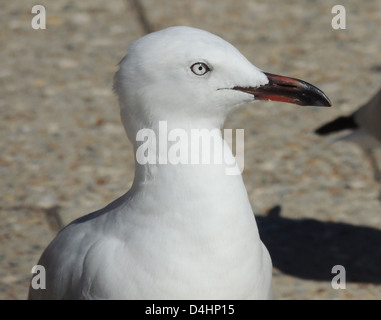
point(196, 216)
point(174, 151)
point(201, 189)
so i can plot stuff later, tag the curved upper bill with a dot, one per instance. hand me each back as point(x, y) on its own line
point(291, 90)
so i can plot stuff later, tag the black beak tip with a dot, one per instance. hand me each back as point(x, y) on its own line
point(315, 97)
point(322, 103)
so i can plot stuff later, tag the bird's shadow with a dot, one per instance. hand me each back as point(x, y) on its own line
point(309, 248)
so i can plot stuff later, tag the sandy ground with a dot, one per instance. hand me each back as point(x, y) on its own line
point(64, 152)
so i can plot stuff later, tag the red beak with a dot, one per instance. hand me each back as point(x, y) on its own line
point(291, 90)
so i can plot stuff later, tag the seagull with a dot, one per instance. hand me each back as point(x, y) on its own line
point(183, 230)
point(364, 126)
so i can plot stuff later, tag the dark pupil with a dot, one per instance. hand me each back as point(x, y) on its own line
point(200, 67)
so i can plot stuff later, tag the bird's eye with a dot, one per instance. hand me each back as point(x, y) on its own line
point(199, 68)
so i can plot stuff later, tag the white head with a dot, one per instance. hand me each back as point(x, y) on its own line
point(187, 74)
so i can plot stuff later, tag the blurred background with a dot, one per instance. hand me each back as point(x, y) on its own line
point(64, 153)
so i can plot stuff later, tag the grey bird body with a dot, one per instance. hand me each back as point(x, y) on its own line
point(365, 122)
point(364, 126)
